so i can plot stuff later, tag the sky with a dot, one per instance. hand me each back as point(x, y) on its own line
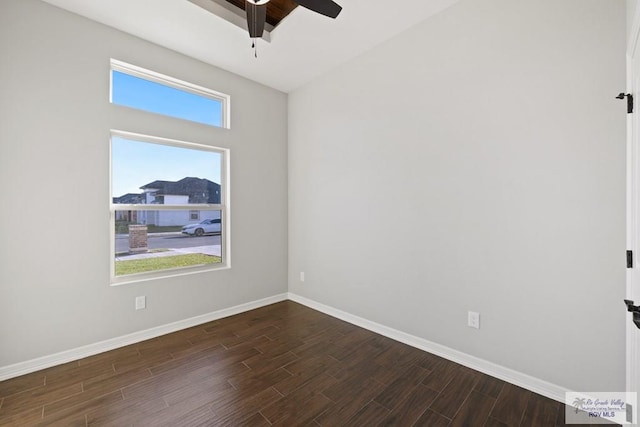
point(136, 163)
point(151, 96)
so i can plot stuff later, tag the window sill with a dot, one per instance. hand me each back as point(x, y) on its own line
point(165, 274)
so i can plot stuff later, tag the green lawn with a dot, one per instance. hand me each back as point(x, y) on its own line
point(163, 263)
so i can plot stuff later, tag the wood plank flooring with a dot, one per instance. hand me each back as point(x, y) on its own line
point(280, 365)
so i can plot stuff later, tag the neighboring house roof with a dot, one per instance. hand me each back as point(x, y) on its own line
point(129, 199)
point(199, 190)
point(156, 185)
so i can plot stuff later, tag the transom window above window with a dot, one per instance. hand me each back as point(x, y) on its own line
point(135, 87)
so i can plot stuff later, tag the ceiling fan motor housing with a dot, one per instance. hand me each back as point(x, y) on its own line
point(257, 12)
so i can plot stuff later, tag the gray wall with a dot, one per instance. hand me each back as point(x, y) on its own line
point(55, 119)
point(632, 6)
point(474, 162)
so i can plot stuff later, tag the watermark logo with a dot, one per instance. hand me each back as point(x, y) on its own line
point(579, 403)
point(600, 408)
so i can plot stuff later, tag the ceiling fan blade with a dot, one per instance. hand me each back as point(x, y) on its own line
point(323, 7)
point(256, 17)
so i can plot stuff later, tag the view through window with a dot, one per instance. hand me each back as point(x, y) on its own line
point(142, 89)
point(168, 207)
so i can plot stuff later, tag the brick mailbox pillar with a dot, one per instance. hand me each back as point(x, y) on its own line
point(138, 239)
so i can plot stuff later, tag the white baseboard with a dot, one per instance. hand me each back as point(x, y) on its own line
point(34, 365)
point(528, 382)
point(536, 385)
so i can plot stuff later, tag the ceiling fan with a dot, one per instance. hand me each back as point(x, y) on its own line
point(257, 12)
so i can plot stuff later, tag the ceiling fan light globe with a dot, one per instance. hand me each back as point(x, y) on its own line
point(259, 2)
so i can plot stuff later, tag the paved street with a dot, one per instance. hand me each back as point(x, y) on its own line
point(169, 241)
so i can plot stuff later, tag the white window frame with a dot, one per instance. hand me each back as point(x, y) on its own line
point(223, 207)
point(143, 73)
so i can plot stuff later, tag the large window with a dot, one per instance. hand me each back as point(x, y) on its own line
point(136, 87)
point(168, 207)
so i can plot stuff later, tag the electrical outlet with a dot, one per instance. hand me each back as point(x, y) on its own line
point(473, 320)
point(141, 302)
point(302, 276)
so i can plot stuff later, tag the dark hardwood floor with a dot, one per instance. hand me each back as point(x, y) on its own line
point(280, 365)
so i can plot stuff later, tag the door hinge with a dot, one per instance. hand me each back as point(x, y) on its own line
point(635, 310)
point(629, 97)
point(629, 259)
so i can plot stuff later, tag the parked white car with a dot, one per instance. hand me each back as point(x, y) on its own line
point(208, 226)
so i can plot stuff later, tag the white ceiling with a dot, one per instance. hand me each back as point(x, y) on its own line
point(304, 46)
